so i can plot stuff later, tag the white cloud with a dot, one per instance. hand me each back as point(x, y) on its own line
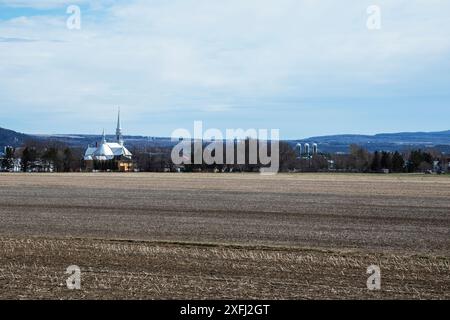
point(48, 4)
point(153, 56)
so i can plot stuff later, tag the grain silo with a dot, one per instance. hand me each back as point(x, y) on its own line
point(298, 149)
point(306, 149)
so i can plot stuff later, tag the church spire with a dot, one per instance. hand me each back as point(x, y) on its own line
point(103, 137)
point(119, 129)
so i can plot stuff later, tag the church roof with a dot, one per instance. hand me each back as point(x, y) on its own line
point(119, 150)
point(104, 150)
point(108, 150)
point(90, 151)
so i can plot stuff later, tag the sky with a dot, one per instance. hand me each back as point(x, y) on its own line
point(305, 67)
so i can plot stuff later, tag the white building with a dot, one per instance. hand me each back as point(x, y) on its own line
point(109, 155)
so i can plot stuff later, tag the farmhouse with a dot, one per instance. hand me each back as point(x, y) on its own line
point(107, 156)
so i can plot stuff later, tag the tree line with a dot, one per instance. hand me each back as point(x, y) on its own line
point(360, 160)
point(58, 157)
point(44, 157)
point(357, 159)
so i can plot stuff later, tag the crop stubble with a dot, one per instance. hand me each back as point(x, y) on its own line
point(224, 236)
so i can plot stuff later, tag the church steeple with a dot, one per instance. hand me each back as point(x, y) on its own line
point(103, 137)
point(119, 129)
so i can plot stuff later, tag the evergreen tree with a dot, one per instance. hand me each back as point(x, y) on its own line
point(28, 157)
point(67, 160)
point(398, 162)
point(376, 162)
point(8, 160)
point(386, 161)
point(419, 160)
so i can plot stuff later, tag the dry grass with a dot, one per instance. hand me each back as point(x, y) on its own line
point(34, 268)
point(224, 236)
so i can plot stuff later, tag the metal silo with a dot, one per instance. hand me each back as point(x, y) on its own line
point(306, 149)
point(298, 149)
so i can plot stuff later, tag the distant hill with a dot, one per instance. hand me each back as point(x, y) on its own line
point(384, 141)
point(16, 139)
point(11, 138)
point(83, 141)
point(336, 143)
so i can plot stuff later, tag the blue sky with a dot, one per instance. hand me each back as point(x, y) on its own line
point(305, 67)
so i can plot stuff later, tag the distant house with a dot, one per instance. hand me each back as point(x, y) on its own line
point(109, 156)
point(15, 164)
point(2, 156)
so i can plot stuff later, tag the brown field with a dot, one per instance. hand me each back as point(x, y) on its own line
point(199, 236)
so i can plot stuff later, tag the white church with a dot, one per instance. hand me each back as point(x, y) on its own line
point(109, 156)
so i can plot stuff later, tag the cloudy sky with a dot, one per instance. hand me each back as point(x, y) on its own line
point(306, 67)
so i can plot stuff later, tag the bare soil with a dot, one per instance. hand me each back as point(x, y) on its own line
point(207, 236)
